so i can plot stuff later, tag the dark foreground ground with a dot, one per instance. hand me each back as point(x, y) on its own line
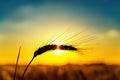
point(65, 72)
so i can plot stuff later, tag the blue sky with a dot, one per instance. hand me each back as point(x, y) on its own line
point(108, 8)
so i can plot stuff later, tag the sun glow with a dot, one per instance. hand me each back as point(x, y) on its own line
point(58, 52)
point(57, 57)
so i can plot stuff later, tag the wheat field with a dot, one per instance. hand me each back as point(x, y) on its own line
point(64, 72)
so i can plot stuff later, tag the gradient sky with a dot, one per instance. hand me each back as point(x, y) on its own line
point(32, 23)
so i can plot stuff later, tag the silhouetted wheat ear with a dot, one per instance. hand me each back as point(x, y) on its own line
point(49, 46)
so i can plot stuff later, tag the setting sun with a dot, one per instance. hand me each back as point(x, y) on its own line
point(57, 57)
point(58, 52)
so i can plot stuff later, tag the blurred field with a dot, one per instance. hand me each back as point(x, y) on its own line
point(64, 72)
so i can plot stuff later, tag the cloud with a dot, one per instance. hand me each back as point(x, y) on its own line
point(112, 33)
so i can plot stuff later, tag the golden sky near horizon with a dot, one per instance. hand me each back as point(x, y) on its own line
point(101, 47)
point(33, 26)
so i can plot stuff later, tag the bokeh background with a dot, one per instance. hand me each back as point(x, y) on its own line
point(91, 26)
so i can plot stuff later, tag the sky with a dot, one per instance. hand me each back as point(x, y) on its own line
point(85, 24)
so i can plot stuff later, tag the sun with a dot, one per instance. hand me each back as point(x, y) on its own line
point(58, 52)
